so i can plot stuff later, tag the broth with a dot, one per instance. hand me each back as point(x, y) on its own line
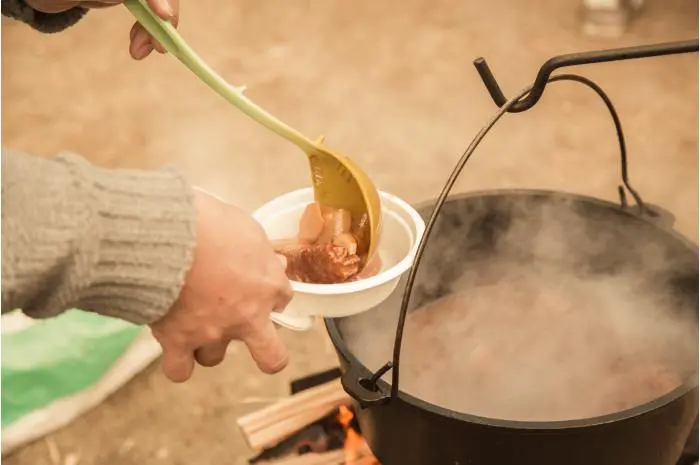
point(521, 343)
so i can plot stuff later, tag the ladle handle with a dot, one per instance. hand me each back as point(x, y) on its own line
point(170, 39)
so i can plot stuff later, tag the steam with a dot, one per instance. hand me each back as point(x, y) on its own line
point(530, 310)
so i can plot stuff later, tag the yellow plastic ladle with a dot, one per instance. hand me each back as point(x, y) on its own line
point(338, 182)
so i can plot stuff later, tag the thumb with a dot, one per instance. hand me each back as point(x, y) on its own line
point(267, 349)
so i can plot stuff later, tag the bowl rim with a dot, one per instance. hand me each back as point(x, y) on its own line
point(344, 352)
point(417, 231)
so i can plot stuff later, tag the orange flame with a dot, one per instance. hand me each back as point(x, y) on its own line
point(356, 450)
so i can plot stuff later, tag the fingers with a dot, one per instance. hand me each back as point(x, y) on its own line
point(178, 364)
point(166, 9)
point(212, 354)
point(267, 348)
point(141, 45)
point(175, 19)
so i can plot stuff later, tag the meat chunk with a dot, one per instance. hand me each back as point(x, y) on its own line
point(325, 250)
point(373, 266)
point(335, 223)
point(311, 223)
point(347, 241)
point(321, 264)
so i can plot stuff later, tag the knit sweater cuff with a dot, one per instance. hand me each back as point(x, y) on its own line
point(43, 22)
point(146, 230)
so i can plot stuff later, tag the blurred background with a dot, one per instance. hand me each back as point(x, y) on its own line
point(390, 83)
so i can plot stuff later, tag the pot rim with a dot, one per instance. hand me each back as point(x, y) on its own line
point(636, 411)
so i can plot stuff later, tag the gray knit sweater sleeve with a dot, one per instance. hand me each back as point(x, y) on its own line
point(114, 242)
point(44, 22)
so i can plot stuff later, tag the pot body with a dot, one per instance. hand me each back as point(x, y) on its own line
point(407, 431)
point(403, 433)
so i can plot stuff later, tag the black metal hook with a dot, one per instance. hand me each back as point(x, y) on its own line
point(573, 59)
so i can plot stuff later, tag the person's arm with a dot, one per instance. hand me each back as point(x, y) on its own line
point(122, 243)
point(114, 242)
point(44, 22)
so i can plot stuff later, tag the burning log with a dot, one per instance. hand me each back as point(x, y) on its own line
point(321, 436)
point(313, 427)
point(273, 424)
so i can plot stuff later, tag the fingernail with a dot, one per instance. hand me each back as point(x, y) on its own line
point(166, 8)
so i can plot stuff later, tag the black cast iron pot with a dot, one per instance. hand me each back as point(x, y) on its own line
point(404, 430)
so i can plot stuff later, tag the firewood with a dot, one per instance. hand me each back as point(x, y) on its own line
point(274, 423)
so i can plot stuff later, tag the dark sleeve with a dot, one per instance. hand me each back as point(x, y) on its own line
point(43, 22)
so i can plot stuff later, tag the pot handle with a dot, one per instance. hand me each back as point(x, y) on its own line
point(657, 215)
point(364, 387)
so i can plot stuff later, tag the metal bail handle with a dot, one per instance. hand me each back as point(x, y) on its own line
point(574, 59)
point(367, 390)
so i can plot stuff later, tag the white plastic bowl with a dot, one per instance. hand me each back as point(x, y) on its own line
point(402, 228)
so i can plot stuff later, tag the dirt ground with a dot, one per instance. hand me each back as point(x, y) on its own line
point(389, 82)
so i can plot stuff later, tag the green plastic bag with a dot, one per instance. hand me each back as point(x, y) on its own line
point(49, 363)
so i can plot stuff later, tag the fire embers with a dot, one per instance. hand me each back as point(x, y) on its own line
point(332, 440)
point(320, 437)
point(355, 447)
point(326, 250)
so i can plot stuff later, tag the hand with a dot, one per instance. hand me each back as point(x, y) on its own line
point(142, 44)
point(236, 280)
